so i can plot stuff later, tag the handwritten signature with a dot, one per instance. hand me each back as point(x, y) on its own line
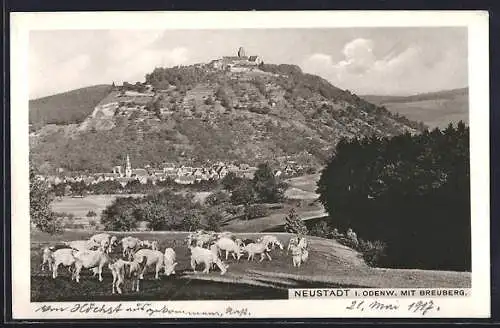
point(146, 308)
point(422, 307)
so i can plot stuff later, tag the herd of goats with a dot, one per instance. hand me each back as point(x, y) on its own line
point(137, 255)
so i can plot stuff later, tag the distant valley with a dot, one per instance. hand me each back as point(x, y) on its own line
point(436, 109)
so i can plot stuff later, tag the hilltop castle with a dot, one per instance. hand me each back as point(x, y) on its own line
point(238, 63)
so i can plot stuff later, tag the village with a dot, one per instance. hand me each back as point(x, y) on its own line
point(169, 171)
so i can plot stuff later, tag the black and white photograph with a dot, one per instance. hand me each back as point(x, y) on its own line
point(252, 163)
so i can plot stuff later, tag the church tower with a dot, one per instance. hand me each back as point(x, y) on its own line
point(128, 169)
point(241, 52)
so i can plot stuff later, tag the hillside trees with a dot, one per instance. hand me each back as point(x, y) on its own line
point(223, 97)
point(409, 192)
point(68, 107)
point(186, 76)
point(222, 135)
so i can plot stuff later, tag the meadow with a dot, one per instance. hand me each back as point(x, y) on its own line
point(330, 265)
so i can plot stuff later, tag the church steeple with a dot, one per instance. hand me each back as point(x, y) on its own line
point(128, 168)
point(241, 52)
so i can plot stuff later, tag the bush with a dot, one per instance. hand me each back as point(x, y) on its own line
point(373, 252)
point(321, 229)
point(294, 224)
point(232, 209)
point(91, 214)
point(223, 97)
point(255, 211)
point(243, 194)
point(266, 185)
point(191, 222)
point(260, 110)
point(120, 215)
point(213, 221)
point(230, 181)
point(217, 198)
point(209, 101)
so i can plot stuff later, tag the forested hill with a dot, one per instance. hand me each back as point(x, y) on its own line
point(198, 113)
point(68, 107)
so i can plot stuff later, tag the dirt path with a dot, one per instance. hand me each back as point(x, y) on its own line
point(270, 221)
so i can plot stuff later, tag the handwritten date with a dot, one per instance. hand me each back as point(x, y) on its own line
point(421, 307)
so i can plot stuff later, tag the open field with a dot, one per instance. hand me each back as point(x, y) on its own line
point(330, 265)
point(305, 182)
point(80, 206)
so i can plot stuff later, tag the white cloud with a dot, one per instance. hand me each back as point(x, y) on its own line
point(70, 74)
point(358, 55)
point(112, 56)
point(407, 71)
point(134, 55)
point(135, 67)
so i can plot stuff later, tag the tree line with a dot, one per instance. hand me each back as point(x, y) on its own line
point(409, 192)
point(80, 188)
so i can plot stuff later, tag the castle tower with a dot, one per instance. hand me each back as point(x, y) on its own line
point(241, 52)
point(128, 169)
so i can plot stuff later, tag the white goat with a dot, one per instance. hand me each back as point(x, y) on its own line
point(129, 244)
point(299, 255)
point(271, 240)
point(230, 246)
point(117, 268)
point(208, 257)
point(82, 245)
point(227, 234)
point(294, 241)
point(305, 255)
point(88, 259)
point(303, 243)
point(47, 258)
point(98, 238)
point(169, 261)
point(154, 258)
point(102, 238)
point(155, 245)
point(239, 242)
point(257, 248)
point(62, 256)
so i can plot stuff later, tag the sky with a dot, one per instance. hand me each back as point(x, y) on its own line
point(383, 61)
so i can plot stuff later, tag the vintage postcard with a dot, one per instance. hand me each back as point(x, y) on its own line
point(241, 165)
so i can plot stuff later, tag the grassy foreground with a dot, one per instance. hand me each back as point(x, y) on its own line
point(330, 265)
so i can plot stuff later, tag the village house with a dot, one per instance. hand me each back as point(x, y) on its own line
point(185, 179)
